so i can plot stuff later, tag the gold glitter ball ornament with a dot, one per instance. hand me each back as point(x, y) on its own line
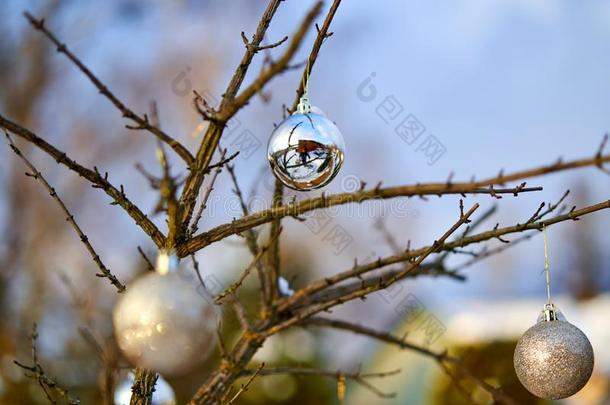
point(553, 359)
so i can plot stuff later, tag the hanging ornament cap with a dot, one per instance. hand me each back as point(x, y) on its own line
point(304, 107)
point(167, 262)
point(550, 313)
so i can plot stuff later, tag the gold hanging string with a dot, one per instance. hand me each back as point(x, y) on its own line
point(546, 265)
point(304, 107)
point(306, 80)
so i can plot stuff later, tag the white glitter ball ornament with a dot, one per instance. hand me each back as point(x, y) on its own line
point(165, 321)
point(306, 150)
point(553, 359)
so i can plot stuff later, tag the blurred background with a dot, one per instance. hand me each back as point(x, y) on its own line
point(500, 84)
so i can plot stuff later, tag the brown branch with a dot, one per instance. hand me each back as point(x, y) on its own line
point(37, 175)
point(298, 208)
point(358, 271)
point(357, 376)
point(37, 373)
point(235, 286)
point(92, 176)
point(230, 103)
point(314, 371)
point(251, 240)
point(208, 192)
point(273, 258)
point(223, 161)
point(315, 50)
point(216, 385)
point(486, 253)
point(143, 387)
point(251, 50)
point(442, 358)
point(602, 146)
point(167, 190)
point(317, 286)
point(240, 312)
point(212, 136)
point(295, 209)
point(244, 387)
point(329, 294)
point(274, 69)
point(142, 122)
point(149, 265)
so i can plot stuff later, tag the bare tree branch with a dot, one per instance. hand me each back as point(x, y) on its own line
point(104, 271)
point(294, 209)
point(314, 309)
point(45, 382)
point(93, 176)
point(142, 122)
point(245, 386)
point(143, 387)
point(358, 271)
point(274, 69)
point(423, 189)
point(357, 376)
point(315, 50)
point(442, 358)
point(235, 286)
point(216, 127)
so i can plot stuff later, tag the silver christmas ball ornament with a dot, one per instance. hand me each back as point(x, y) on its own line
point(306, 150)
point(166, 321)
point(553, 359)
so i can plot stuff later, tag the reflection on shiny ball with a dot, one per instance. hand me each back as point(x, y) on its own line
point(165, 323)
point(306, 151)
point(163, 394)
point(553, 359)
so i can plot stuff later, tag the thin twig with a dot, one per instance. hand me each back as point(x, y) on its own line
point(356, 376)
point(37, 373)
point(244, 387)
point(274, 69)
point(148, 262)
point(93, 176)
point(37, 175)
point(441, 357)
point(314, 309)
point(210, 140)
point(142, 122)
point(295, 209)
point(497, 232)
point(236, 285)
point(251, 240)
point(207, 193)
point(143, 387)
